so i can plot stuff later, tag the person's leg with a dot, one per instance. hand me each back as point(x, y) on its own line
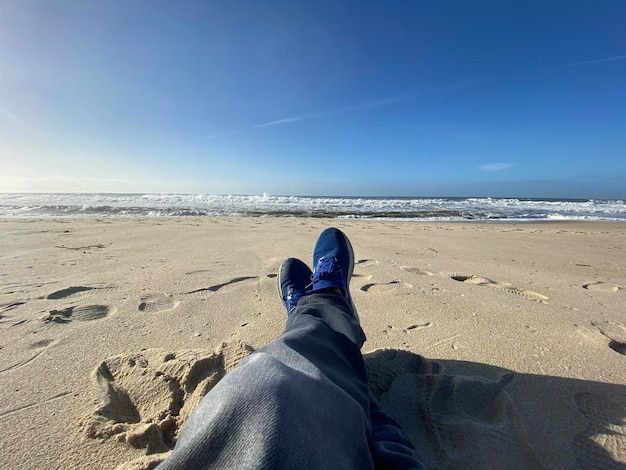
point(389, 447)
point(302, 400)
point(298, 402)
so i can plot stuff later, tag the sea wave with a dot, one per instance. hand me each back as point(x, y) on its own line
point(210, 205)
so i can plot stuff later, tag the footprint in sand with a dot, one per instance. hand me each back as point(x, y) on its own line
point(603, 443)
point(146, 397)
point(455, 421)
point(386, 287)
point(163, 302)
point(602, 287)
point(414, 270)
point(483, 281)
point(82, 313)
point(615, 332)
point(157, 303)
point(41, 343)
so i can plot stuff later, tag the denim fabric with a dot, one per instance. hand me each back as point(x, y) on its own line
point(302, 401)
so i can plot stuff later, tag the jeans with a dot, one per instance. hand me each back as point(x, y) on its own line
point(302, 401)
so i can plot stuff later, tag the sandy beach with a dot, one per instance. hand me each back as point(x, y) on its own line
point(494, 345)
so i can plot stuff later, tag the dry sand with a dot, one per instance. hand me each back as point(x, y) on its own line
point(495, 345)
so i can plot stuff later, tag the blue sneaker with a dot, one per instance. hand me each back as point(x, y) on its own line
point(293, 279)
point(333, 259)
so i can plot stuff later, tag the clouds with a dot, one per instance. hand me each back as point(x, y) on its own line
point(606, 59)
point(451, 87)
point(287, 120)
point(491, 167)
point(13, 118)
point(383, 102)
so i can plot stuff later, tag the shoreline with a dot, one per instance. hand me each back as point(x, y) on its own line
point(330, 220)
point(390, 209)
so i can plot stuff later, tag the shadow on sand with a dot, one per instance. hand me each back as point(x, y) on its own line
point(460, 415)
point(471, 415)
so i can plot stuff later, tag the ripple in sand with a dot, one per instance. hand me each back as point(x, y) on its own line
point(504, 286)
point(157, 303)
point(414, 270)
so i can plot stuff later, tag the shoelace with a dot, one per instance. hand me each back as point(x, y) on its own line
point(292, 299)
point(327, 268)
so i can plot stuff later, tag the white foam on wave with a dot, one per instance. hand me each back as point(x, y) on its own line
point(173, 205)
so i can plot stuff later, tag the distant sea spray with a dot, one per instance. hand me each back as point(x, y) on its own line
point(265, 205)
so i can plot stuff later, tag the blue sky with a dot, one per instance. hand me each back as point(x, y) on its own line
point(422, 97)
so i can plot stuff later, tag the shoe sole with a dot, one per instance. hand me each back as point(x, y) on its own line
point(351, 302)
point(278, 287)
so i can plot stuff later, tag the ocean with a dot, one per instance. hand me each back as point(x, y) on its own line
point(265, 205)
